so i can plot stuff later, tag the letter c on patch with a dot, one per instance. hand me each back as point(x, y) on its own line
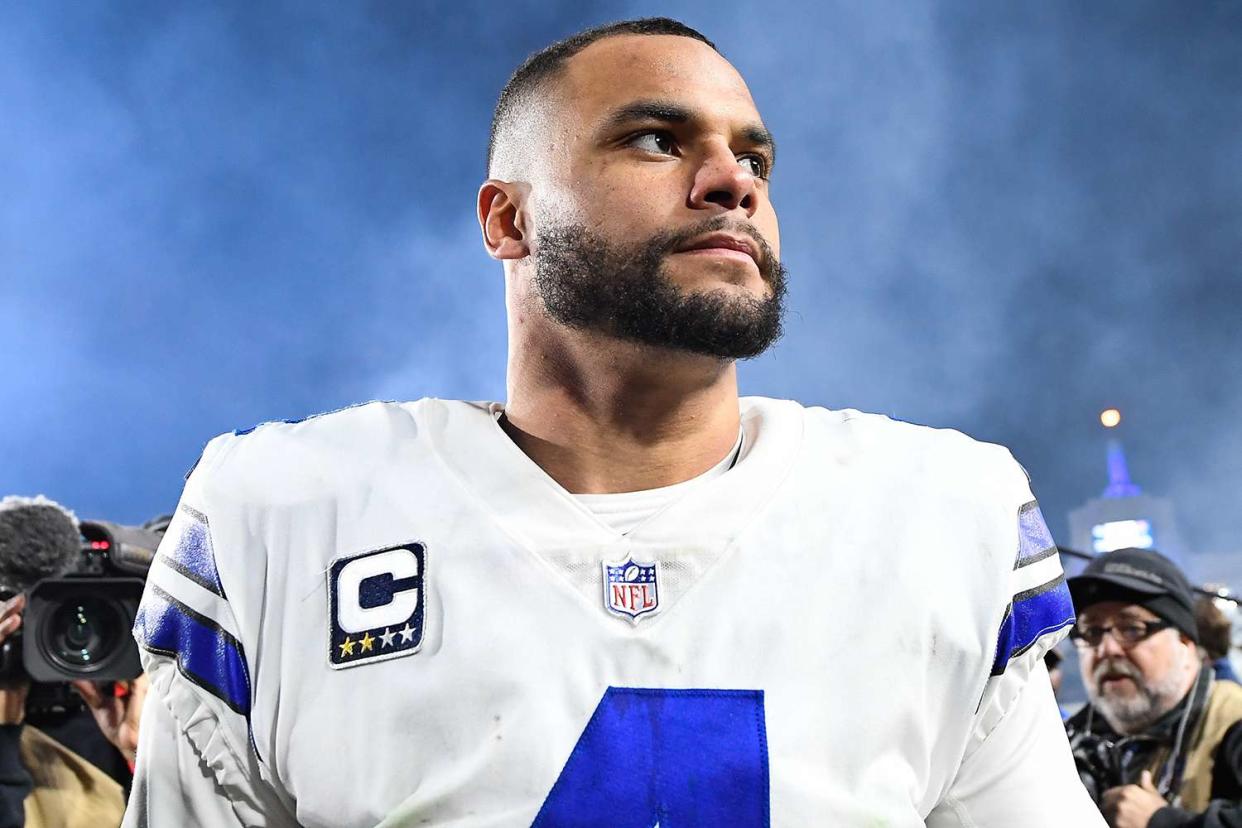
point(350, 614)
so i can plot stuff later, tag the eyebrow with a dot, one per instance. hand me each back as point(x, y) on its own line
point(667, 112)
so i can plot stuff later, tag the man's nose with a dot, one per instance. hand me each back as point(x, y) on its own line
point(722, 183)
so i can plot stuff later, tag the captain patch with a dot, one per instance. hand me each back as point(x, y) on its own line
point(377, 602)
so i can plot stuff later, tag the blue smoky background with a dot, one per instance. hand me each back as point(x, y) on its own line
point(1000, 218)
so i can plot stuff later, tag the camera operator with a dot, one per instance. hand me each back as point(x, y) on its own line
point(1159, 743)
point(44, 784)
point(71, 690)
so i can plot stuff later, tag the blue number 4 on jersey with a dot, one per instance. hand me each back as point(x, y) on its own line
point(673, 758)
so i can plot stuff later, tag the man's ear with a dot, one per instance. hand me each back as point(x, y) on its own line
point(502, 221)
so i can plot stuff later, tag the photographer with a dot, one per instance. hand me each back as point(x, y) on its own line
point(71, 687)
point(44, 784)
point(1159, 743)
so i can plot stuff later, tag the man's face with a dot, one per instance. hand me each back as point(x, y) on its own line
point(654, 175)
point(1133, 685)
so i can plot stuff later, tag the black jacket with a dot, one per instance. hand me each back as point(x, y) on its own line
point(15, 781)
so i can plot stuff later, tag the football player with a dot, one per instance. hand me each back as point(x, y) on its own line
point(625, 596)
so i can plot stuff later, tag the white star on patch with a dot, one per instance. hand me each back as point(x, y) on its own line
point(407, 633)
point(386, 638)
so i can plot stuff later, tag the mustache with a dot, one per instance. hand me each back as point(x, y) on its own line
point(670, 241)
point(1115, 667)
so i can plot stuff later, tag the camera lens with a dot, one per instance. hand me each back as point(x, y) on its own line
point(83, 633)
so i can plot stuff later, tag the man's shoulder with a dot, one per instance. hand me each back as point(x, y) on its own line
point(64, 782)
point(887, 445)
point(356, 428)
point(1226, 699)
point(291, 455)
point(372, 419)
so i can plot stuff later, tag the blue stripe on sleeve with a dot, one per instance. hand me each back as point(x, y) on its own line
point(1032, 615)
point(205, 654)
point(191, 553)
point(1034, 540)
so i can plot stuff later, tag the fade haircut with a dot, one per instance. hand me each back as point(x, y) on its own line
point(546, 64)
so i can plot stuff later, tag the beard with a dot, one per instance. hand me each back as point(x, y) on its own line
point(625, 291)
point(1131, 714)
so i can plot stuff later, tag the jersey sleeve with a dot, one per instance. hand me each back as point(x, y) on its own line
point(1017, 769)
point(197, 761)
point(1037, 611)
point(1021, 775)
point(172, 784)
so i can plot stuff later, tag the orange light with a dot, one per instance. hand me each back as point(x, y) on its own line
point(1110, 417)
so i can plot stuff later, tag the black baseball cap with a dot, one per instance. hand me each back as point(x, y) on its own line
point(1138, 576)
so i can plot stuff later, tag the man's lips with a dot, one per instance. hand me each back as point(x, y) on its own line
point(724, 245)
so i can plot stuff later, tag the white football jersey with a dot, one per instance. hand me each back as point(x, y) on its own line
point(389, 615)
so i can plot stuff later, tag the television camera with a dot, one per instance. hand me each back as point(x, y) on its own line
point(83, 582)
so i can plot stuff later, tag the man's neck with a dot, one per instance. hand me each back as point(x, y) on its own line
point(621, 417)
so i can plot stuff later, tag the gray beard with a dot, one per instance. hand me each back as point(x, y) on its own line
point(1136, 713)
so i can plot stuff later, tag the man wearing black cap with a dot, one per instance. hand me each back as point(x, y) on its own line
point(1159, 745)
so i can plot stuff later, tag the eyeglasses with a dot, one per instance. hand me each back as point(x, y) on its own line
point(1127, 634)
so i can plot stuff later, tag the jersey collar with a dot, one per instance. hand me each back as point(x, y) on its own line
point(539, 513)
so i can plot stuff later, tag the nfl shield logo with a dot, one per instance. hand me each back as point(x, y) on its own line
point(632, 589)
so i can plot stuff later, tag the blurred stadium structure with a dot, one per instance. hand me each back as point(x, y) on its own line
point(1123, 516)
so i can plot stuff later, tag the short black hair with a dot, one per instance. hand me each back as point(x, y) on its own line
point(549, 61)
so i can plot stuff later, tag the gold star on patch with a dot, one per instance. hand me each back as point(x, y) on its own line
point(366, 642)
point(347, 647)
